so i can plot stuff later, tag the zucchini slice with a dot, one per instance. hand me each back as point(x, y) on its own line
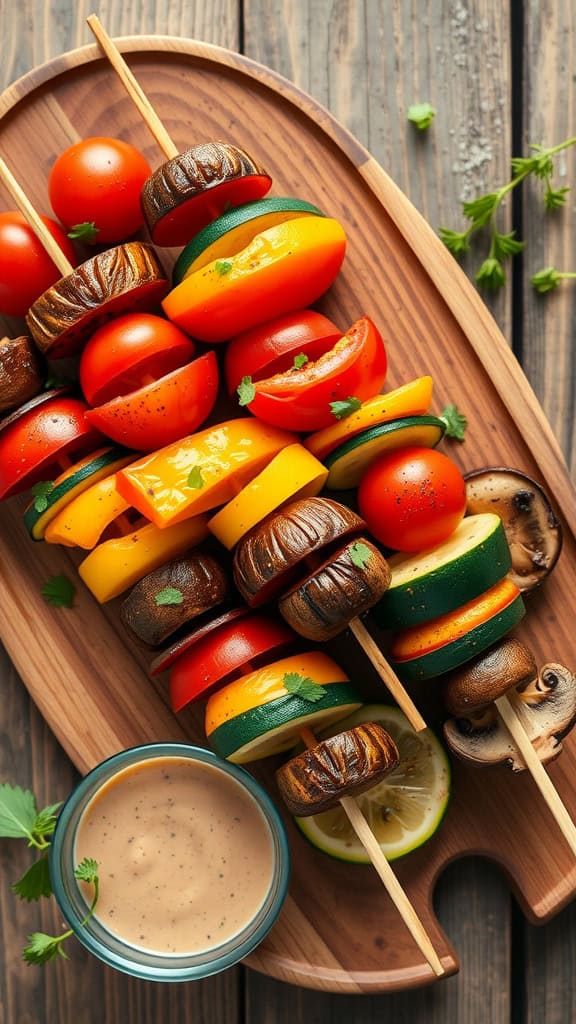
point(348, 463)
point(431, 583)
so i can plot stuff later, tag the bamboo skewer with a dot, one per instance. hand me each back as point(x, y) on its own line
point(387, 674)
point(134, 90)
point(385, 872)
point(34, 220)
point(537, 770)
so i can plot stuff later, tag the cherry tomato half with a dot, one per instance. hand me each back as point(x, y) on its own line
point(223, 652)
point(26, 270)
point(128, 352)
point(270, 348)
point(37, 439)
point(412, 499)
point(99, 181)
point(162, 412)
point(300, 399)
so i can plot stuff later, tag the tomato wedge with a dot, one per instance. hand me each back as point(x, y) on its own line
point(270, 348)
point(129, 352)
point(213, 659)
point(300, 399)
point(36, 440)
point(162, 412)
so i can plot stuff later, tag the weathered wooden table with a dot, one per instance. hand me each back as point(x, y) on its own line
point(501, 76)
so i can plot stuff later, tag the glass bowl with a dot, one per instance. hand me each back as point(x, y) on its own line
point(116, 951)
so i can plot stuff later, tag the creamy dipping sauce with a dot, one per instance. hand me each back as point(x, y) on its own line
point(185, 855)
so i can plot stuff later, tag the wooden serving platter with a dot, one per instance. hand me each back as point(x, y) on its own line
point(338, 930)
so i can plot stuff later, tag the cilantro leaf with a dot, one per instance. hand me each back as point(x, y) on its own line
point(342, 409)
point(195, 478)
point(85, 232)
point(18, 812)
point(491, 274)
point(45, 822)
point(87, 870)
point(457, 242)
point(223, 267)
point(41, 948)
point(35, 883)
point(59, 592)
point(481, 209)
point(546, 280)
point(170, 595)
point(360, 554)
point(303, 686)
point(505, 245)
point(455, 421)
point(246, 391)
point(554, 198)
point(300, 361)
point(421, 115)
point(40, 492)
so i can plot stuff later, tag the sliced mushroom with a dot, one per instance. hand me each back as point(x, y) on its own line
point(533, 530)
point(21, 374)
point(169, 597)
point(344, 765)
point(338, 591)
point(481, 681)
point(546, 707)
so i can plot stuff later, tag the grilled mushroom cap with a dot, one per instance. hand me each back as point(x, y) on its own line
point(127, 278)
point(187, 176)
point(487, 677)
point(338, 591)
point(200, 583)
point(267, 558)
point(344, 765)
point(533, 531)
point(546, 706)
point(21, 375)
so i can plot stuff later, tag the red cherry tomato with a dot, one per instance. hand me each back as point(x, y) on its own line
point(36, 441)
point(26, 270)
point(223, 652)
point(162, 412)
point(99, 181)
point(128, 352)
point(300, 399)
point(412, 499)
point(270, 348)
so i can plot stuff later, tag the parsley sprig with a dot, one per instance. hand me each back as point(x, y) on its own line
point(481, 213)
point(548, 279)
point(20, 819)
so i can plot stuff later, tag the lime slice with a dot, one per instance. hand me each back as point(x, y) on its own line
point(405, 809)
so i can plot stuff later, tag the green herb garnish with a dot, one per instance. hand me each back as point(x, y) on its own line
point(421, 115)
point(343, 408)
point(195, 478)
point(170, 595)
point(246, 391)
point(300, 361)
point(223, 267)
point(85, 232)
point(548, 279)
point(41, 947)
point(40, 492)
point(59, 592)
point(455, 421)
point(35, 883)
point(303, 686)
point(360, 554)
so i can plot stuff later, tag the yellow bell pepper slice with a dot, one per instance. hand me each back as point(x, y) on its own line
point(293, 473)
point(285, 267)
point(202, 471)
point(117, 564)
point(412, 399)
point(267, 684)
point(83, 521)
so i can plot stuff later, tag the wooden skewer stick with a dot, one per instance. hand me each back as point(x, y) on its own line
point(385, 872)
point(387, 675)
point(34, 220)
point(134, 90)
point(537, 770)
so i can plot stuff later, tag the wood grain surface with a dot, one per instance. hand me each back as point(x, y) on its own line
point(307, 36)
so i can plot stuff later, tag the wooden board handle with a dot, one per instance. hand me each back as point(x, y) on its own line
point(134, 90)
point(387, 675)
point(34, 220)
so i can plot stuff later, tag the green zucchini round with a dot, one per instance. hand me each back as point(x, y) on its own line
point(348, 463)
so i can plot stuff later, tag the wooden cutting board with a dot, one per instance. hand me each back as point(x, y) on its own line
point(338, 930)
